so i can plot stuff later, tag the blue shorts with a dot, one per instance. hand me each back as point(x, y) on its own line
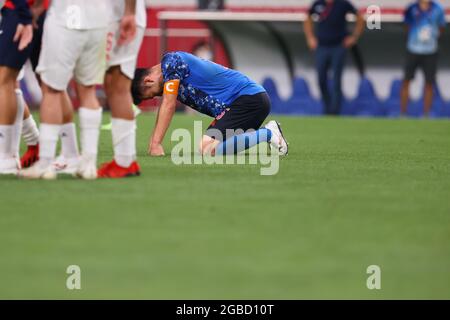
point(10, 55)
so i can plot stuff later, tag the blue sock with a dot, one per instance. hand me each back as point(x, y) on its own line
point(243, 141)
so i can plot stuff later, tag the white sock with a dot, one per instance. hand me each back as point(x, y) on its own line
point(124, 141)
point(30, 132)
point(6, 140)
point(69, 143)
point(47, 142)
point(18, 123)
point(90, 121)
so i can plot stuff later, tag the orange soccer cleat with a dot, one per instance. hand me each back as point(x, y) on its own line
point(30, 156)
point(113, 170)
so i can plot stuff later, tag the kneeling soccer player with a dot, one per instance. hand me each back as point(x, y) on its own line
point(235, 101)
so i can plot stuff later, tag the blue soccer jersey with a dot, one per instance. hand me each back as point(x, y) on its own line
point(424, 26)
point(204, 85)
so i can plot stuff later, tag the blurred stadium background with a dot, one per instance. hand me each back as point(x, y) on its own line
point(352, 193)
point(265, 39)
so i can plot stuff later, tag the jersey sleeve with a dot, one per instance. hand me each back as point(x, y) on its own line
point(173, 67)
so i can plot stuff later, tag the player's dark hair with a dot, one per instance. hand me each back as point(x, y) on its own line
point(137, 85)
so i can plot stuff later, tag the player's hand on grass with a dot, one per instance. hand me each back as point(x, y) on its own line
point(127, 29)
point(156, 150)
point(24, 34)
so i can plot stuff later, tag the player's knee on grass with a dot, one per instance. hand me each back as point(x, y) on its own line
point(208, 145)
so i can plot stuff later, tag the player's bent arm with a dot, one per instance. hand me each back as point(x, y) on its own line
point(309, 32)
point(350, 41)
point(165, 114)
point(360, 26)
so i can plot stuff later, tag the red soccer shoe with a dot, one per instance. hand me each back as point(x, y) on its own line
point(113, 170)
point(30, 156)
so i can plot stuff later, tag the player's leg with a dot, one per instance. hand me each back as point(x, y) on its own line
point(30, 135)
point(234, 144)
point(322, 66)
point(18, 122)
point(270, 133)
point(89, 72)
point(117, 87)
point(430, 71)
point(208, 145)
point(246, 114)
point(51, 120)
point(8, 164)
point(21, 105)
point(26, 126)
point(55, 69)
point(90, 117)
point(68, 161)
point(11, 61)
point(337, 63)
point(410, 70)
point(428, 98)
point(30, 132)
point(121, 63)
point(404, 97)
point(8, 78)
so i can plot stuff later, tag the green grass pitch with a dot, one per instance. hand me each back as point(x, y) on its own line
point(351, 193)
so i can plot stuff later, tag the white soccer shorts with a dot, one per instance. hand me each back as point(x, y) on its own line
point(68, 53)
point(126, 55)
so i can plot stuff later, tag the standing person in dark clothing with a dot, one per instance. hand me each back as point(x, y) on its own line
point(330, 42)
point(425, 20)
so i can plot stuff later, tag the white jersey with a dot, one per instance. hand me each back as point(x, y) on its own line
point(81, 14)
point(118, 9)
